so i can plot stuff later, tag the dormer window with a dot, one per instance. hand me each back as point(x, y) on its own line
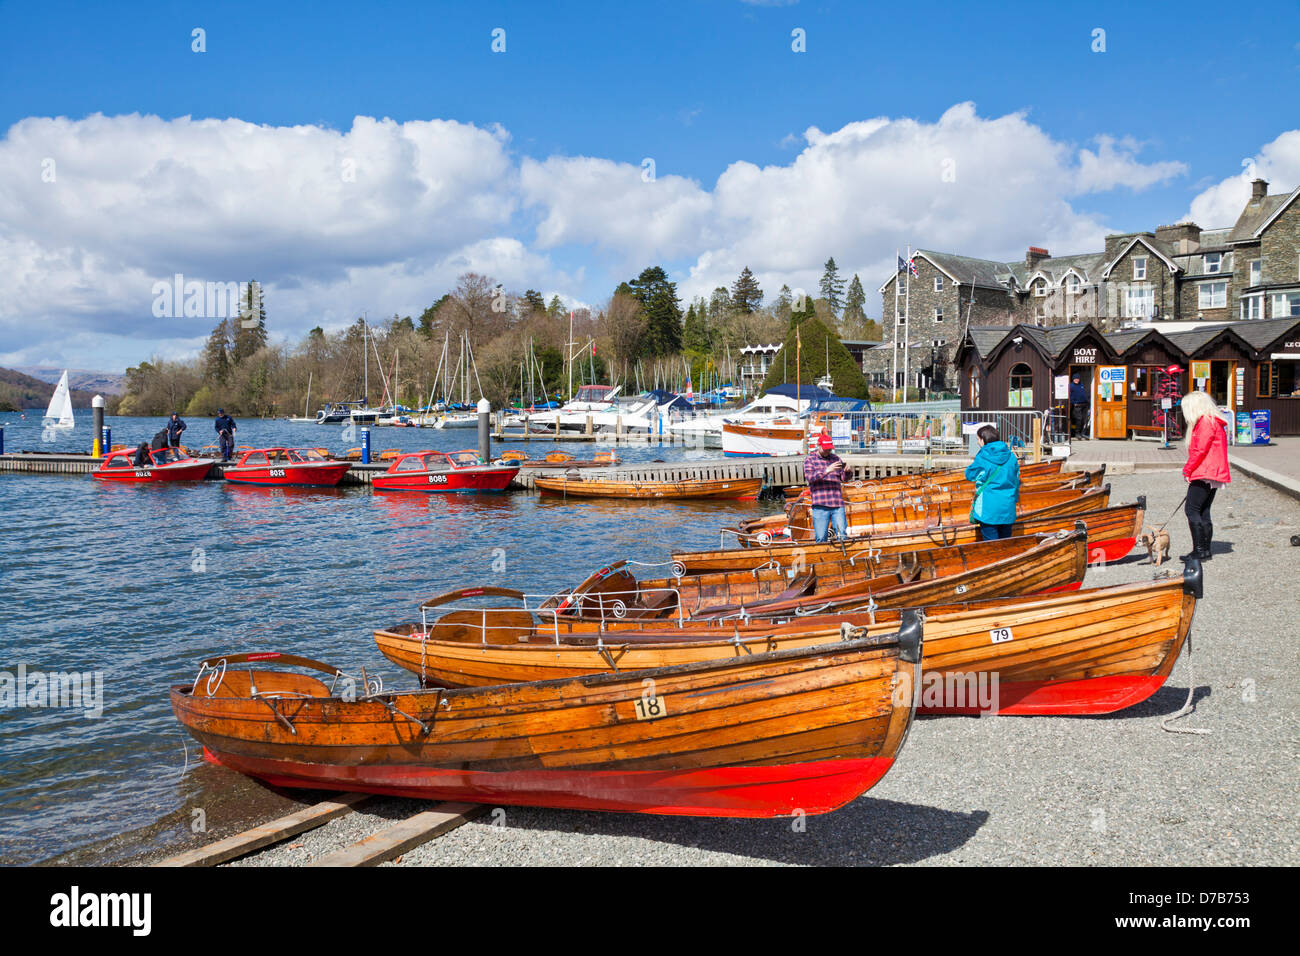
point(1139, 267)
point(1040, 287)
point(1072, 285)
point(1213, 262)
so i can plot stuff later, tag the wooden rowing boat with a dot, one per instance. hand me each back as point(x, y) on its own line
point(803, 729)
point(1078, 480)
point(719, 488)
point(562, 460)
point(1092, 651)
point(1112, 533)
point(866, 518)
point(920, 479)
point(936, 575)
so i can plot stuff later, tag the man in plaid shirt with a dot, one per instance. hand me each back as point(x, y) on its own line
point(824, 472)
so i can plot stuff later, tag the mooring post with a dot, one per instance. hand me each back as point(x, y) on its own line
point(1038, 439)
point(484, 430)
point(97, 416)
point(365, 446)
point(2, 439)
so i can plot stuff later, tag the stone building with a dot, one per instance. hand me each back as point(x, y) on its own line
point(1172, 278)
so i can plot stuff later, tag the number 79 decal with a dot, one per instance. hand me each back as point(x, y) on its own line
point(1000, 635)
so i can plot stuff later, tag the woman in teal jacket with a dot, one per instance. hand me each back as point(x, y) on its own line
point(996, 474)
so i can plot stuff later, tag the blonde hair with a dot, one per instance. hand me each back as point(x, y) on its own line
point(1197, 405)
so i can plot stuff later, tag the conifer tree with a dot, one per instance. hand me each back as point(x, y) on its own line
point(746, 296)
point(832, 287)
point(216, 354)
point(250, 327)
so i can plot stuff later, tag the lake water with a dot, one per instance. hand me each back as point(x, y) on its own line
point(137, 584)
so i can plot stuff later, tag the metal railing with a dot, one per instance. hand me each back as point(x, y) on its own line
point(1016, 426)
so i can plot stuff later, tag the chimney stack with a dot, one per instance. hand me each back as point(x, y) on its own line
point(1258, 189)
point(1035, 256)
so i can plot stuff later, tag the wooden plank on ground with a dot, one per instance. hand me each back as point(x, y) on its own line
point(397, 839)
point(268, 833)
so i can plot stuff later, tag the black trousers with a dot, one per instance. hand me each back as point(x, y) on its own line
point(1079, 418)
point(1199, 498)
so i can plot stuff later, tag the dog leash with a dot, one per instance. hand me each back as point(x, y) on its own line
point(1171, 516)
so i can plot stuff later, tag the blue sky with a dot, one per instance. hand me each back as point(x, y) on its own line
point(698, 87)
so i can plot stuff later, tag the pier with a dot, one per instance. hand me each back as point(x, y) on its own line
point(777, 471)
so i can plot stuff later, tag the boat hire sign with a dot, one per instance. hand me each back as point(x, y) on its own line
point(1084, 356)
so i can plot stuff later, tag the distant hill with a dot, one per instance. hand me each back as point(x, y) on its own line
point(19, 391)
point(79, 379)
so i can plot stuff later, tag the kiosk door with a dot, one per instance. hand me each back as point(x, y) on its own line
point(1110, 411)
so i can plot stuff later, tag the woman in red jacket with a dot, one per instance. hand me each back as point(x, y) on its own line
point(1206, 470)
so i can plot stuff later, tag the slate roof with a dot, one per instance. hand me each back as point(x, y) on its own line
point(986, 339)
point(968, 270)
point(1254, 215)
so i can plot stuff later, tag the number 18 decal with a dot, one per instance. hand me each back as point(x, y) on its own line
point(1000, 635)
point(649, 706)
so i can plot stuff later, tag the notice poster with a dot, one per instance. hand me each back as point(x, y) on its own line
point(841, 431)
point(1201, 370)
point(1245, 429)
point(1061, 387)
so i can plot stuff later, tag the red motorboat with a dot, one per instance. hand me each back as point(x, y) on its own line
point(165, 464)
point(287, 466)
point(445, 471)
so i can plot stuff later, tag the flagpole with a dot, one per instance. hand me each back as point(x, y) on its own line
point(907, 328)
point(894, 323)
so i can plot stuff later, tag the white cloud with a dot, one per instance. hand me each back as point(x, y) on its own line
point(1115, 164)
point(1278, 162)
point(384, 216)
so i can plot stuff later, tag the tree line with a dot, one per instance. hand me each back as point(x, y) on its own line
point(520, 343)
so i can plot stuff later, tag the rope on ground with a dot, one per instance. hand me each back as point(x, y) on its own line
point(1187, 707)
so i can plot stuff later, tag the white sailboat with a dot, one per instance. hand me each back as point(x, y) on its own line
point(59, 414)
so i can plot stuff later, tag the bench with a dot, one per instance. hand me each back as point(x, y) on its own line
point(1158, 432)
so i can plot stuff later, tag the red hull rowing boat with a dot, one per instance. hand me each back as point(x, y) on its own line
point(816, 787)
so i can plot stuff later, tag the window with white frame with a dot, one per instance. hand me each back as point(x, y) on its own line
point(1212, 295)
point(1213, 262)
point(1286, 305)
point(938, 283)
point(938, 313)
point(1139, 301)
point(1252, 307)
point(1072, 285)
point(1256, 271)
point(901, 317)
point(1040, 287)
point(1139, 267)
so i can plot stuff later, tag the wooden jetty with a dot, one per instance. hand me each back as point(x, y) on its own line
point(777, 471)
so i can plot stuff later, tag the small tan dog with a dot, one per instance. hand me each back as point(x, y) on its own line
point(1157, 545)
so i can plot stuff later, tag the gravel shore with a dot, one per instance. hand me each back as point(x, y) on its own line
point(1012, 790)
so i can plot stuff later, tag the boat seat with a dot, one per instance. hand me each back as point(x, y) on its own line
point(799, 588)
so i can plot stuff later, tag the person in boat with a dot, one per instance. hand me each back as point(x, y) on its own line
point(159, 440)
point(1206, 470)
point(824, 471)
point(226, 428)
point(996, 474)
point(175, 425)
point(141, 459)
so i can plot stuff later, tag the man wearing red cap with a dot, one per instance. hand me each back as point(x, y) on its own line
point(824, 472)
